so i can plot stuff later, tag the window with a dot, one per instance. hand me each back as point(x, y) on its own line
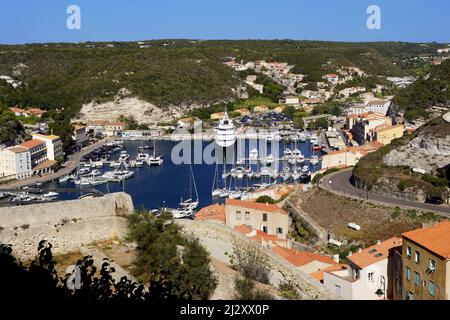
point(337, 290)
point(417, 257)
point(279, 230)
point(408, 251)
point(264, 217)
point(238, 215)
point(432, 288)
point(408, 273)
point(264, 229)
point(417, 279)
point(247, 215)
point(432, 266)
point(410, 296)
point(370, 276)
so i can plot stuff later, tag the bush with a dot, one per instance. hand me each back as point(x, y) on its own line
point(245, 290)
point(265, 199)
point(250, 261)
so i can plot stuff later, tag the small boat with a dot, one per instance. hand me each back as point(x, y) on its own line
point(270, 159)
point(124, 156)
point(142, 157)
point(235, 194)
point(240, 173)
point(265, 172)
point(274, 174)
point(139, 163)
point(287, 153)
point(3, 195)
point(316, 147)
point(95, 173)
point(305, 169)
point(253, 155)
point(155, 161)
point(224, 193)
point(286, 174)
point(296, 175)
point(64, 179)
point(84, 171)
point(302, 137)
point(315, 160)
point(50, 195)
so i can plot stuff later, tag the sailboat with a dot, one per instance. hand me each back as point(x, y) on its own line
point(154, 160)
point(191, 204)
point(215, 192)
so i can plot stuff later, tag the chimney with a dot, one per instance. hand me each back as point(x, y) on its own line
point(378, 242)
point(349, 254)
point(360, 250)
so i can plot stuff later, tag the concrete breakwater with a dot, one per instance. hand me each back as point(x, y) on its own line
point(67, 225)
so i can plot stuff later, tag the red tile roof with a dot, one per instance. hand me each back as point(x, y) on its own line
point(318, 275)
point(300, 258)
point(214, 212)
point(374, 253)
point(31, 143)
point(435, 238)
point(255, 206)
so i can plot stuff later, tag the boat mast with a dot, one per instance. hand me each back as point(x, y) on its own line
point(195, 185)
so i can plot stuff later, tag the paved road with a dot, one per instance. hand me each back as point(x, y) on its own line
point(339, 183)
point(69, 166)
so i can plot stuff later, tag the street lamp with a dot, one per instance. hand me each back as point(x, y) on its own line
point(381, 291)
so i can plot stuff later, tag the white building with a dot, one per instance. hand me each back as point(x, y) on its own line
point(53, 144)
point(15, 162)
point(367, 271)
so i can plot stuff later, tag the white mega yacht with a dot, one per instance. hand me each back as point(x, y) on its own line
point(225, 134)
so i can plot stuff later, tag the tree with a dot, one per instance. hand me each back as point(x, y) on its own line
point(175, 265)
point(10, 127)
point(265, 199)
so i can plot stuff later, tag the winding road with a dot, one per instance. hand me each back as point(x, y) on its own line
point(339, 183)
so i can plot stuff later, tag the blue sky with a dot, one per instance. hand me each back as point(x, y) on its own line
point(24, 21)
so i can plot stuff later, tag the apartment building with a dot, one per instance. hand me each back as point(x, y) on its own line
point(267, 218)
point(385, 133)
point(15, 163)
point(368, 274)
point(363, 126)
point(426, 263)
point(53, 144)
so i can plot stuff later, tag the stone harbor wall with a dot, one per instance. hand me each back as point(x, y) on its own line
point(68, 225)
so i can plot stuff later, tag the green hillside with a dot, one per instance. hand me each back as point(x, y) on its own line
point(174, 72)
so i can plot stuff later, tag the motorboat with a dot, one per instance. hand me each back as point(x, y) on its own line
point(142, 157)
point(224, 193)
point(189, 204)
point(296, 175)
point(315, 160)
point(253, 155)
point(302, 137)
point(235, 194)
point(139, 163)
point(84, 171)
point(50, 195)
point(286, 174)
point(287, 153)
point(270, 159)
point(155, 161)
point(124, 156)
point(95, 173)
point(240, 173)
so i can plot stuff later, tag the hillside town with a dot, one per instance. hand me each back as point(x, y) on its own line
point(290, 194)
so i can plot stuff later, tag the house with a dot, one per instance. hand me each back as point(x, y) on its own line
point(291, 101)
point(261, 237)
point(268, 218)
point(17, 111)
point(308, 262)
point(53, 144)
point(257, 87)
point(378, 106)
point(385, 133)
point(332, 78)
point(34, 112)
point(186, 123)
point(15, 163)
point(251, 78)
point(368, 275)
point(261, 109)
point(79, 134)
point(363, 126)
point(217, 116)
point(426, 263)
point(215, 212)
point(243, 111)
point(106, 127)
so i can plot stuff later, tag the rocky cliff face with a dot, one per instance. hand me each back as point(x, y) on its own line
point(429, 151)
